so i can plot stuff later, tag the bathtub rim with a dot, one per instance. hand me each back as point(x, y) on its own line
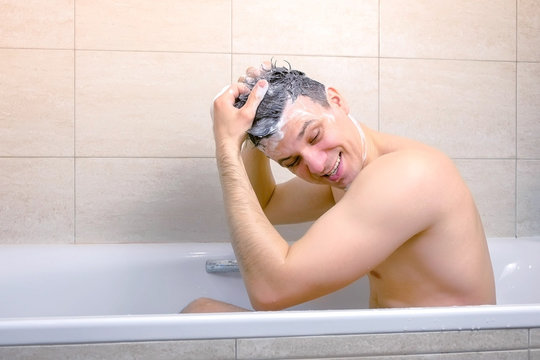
point(169, 327)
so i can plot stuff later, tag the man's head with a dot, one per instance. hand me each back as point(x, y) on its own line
point(306, 128)
point(284, 87)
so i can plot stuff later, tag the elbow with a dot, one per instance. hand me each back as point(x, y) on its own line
point(269, 300)
point(265, 305)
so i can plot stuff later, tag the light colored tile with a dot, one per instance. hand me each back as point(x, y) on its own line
point(528, 30)
point(149, 200)
point(37, 24)
point(465, 108)
point(381, 344)
point(535, 337)
point(303, 27)
point(147, 104)
point(489, 355)
point(170, 350)
point(481, 30)
point(355, 78)
point(528, 110)
point(37, 200)
point(36, 102)
point(493, 184)
point(535, 355)
point(528, 197)
point(168, 25)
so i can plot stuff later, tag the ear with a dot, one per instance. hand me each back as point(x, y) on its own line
point(335, 99)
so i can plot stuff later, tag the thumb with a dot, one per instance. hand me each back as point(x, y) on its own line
point(255, 98)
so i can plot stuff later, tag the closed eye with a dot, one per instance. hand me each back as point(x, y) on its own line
point(315, 138)
point(295, 161)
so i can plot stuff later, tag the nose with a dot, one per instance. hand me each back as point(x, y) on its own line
point(314, 160)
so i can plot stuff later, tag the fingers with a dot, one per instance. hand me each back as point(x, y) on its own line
point(250, 76)
point(255, 98)
point(227, 96)
point(266, 65)
point(253, 73)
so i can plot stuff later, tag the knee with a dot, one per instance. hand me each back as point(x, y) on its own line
point(206, 305)
point(200, 305)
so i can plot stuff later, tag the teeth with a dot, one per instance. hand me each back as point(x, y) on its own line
point(336, 165)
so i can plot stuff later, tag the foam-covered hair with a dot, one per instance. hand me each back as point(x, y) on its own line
point(284, 85)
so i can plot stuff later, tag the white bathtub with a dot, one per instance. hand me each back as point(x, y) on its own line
point(63, 294)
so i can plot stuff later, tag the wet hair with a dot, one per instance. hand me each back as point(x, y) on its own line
point(284, 84)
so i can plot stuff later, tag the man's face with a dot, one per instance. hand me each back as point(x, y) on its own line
point(318, 144)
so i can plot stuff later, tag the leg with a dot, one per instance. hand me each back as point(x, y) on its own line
point(206, 305)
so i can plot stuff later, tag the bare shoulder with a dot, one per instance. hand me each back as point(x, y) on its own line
point(426, 168)
point(412, 184)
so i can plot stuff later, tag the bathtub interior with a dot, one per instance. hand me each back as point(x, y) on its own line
point(122, 279)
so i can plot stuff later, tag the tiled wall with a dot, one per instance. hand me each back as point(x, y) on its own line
point(105, 134)
point(510, 344)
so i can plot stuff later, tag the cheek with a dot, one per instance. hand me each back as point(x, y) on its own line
point(302, 172)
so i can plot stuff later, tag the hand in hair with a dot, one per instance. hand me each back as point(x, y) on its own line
point(231, 123)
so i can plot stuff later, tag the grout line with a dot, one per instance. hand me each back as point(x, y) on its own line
point(112, 157)
point(74, 124)
point(379, 71)
point(275, 54)
point(232, 42)
point(516, 128)
point(212, 157)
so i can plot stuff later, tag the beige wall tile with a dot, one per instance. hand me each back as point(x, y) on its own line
point(37, 24)
point(528, 110)
point(167, 25)
point(528, 197)
point(483, 30)
point(304, 27)
point(147, 104)
point(493, 184)
point(149, 200)
point(355, 78)
point(528, 30)
point(37, 200)
point(36, 102)
point(465, 108)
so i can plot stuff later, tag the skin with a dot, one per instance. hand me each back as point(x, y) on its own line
point(406, 220)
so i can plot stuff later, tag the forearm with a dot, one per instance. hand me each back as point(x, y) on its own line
point(259, 173)
point(259, 248)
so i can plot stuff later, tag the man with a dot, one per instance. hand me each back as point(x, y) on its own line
point(384, 206)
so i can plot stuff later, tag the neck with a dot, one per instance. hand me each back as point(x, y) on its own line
point(362, 138)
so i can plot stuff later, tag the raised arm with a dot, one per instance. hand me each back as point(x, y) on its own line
point(258, 170)
point(292, 202)
point(346, 242)
point(259, 248)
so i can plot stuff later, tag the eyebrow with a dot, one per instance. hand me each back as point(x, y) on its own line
point(303, 131)
point(300, 135)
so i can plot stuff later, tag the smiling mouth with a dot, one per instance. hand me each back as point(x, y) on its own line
point(335, 168)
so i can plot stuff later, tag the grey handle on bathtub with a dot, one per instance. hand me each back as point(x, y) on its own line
point(221, 266)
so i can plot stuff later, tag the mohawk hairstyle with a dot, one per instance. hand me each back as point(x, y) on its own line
point(284, 84)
